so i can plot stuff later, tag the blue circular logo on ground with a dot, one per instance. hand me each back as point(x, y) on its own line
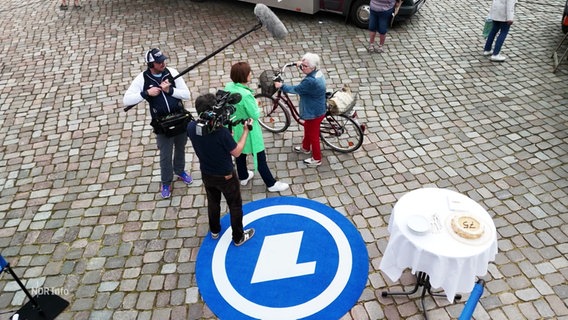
point(305, 261)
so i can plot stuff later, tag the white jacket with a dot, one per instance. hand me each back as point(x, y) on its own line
point(502, 10)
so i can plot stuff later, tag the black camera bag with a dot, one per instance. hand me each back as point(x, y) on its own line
point(174, 123)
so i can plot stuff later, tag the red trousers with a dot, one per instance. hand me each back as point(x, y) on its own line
point(312, 136)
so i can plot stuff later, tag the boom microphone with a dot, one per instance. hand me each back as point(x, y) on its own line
point(265, 17)
point(271, 21)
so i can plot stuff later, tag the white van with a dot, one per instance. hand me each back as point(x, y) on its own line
point(356, 11)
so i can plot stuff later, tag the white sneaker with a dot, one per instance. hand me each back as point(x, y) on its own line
point(311, 162)
point(278, 186)
point(498, 58)
point(245, 181)
point(487, 53)
point(299, 149)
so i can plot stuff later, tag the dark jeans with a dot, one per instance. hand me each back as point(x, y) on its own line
point(263, 169)
point(230, 188)
point(498, 26)
point(379, 21)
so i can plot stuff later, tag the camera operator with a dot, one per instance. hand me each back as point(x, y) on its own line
point(164, 95)
point(214, 148)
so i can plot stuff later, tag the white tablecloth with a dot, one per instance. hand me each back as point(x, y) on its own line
point(451, 262)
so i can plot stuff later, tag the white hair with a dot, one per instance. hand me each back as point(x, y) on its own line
point(312, 59)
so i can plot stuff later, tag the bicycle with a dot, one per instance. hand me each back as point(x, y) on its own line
point(341, 131)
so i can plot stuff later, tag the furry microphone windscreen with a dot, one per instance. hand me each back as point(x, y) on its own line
point(271, 21)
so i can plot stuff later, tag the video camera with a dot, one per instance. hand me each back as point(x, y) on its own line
point(220, 114)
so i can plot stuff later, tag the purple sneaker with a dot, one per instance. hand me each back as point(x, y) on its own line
point(166, 191)
point(186, 178)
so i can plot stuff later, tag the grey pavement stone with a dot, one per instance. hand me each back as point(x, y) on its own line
point(115, 300)
point(101, 315)
point(79, 178)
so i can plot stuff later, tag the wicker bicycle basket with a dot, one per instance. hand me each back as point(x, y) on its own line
point(342, 101)
point(266, 82)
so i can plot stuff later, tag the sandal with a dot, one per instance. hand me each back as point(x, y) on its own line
point(77, 6)
point(63, 7)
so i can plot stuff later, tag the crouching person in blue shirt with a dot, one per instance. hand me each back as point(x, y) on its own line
point(214, 150)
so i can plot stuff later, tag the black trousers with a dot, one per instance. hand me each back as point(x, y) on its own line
point(229, 186)
point(263, 169)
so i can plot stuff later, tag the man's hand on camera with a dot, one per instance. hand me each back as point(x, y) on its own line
point(248, 125)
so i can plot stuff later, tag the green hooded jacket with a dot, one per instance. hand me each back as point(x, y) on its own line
point(247, 108)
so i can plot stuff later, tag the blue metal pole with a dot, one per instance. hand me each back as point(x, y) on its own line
point(3, 263)
point(471, 303)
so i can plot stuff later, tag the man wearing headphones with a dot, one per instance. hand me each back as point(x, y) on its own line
point(164, 95)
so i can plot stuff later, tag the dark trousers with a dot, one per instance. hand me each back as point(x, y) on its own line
point(501, 27)
point(263, 169)
point(229, 186)
point(172, 156)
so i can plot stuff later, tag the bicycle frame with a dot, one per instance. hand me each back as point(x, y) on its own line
point(342, 132)
point(284, 97)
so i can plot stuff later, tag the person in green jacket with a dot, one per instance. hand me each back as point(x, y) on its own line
point(247, 108)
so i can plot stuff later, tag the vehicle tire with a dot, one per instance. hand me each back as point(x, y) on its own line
point(565, 18)
point(359, 13)
point(274, 116)
point(341, 133)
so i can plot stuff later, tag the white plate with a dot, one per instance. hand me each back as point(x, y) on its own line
point(418, 224)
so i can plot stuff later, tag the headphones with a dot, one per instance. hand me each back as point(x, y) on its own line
point(149, 57)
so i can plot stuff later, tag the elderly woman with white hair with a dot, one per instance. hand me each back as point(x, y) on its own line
point(312, 105)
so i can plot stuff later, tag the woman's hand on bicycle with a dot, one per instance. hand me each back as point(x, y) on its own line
point(278, 81)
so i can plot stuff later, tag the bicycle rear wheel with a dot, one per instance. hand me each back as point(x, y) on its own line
point(341, 133)
point(274, 116)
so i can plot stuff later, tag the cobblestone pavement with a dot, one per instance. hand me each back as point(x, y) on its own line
point(79, 178)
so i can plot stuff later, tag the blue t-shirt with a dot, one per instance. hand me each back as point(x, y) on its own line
point(213, 150)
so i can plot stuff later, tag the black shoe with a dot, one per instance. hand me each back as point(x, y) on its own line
point(247, 234)
point(63, 7)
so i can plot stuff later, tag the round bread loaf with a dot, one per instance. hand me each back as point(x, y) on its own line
point(467, 227)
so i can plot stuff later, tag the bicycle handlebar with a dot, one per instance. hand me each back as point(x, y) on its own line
point(278, 76)
point(290, 64)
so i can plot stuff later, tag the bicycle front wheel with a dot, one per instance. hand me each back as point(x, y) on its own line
point(273, 115)
point(341, 133)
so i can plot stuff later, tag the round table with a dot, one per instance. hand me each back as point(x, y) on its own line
point(450, 261)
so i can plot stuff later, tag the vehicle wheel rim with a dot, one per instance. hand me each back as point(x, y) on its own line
point(363, 13)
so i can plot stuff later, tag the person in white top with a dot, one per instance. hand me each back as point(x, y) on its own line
point(502, 13)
